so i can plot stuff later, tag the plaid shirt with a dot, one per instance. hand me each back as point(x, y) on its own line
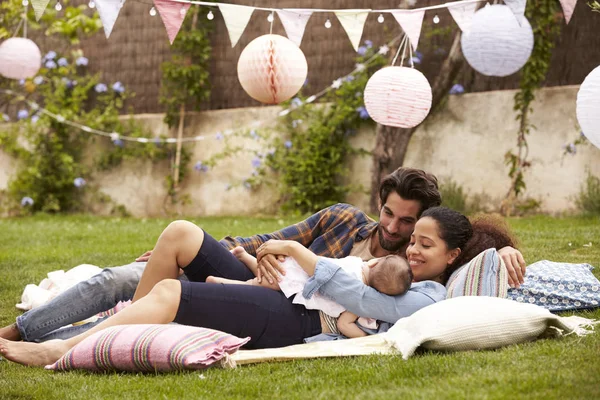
point(330, 233)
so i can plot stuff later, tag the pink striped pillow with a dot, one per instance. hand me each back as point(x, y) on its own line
point(149, 348)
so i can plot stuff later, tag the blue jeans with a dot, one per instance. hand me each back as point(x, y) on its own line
point(86, 299)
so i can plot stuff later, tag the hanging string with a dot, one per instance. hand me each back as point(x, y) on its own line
point(272, 19)
point(18, 27)
point(398, 52)
point(404, 51)
point(412, 64)
point(25, 23)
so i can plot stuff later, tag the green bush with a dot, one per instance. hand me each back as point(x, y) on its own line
point(588, 199)
point(453, 196)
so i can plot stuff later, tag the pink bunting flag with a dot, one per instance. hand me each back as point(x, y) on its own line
point(294, 22)
point(518, 8)
point(172, 15)
point(463, 15)
point(568, 7)
point(410, 21)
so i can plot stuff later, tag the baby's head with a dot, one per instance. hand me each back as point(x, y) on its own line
point(390, 275)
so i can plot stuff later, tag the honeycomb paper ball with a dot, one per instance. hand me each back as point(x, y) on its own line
point(588, 107)
point(272, 69)
point(497, 45)
point(20, 58)
point(398, 96)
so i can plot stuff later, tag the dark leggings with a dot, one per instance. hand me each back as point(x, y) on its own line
point(267, 316)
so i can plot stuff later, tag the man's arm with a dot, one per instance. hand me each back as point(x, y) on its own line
point(346, 323)
point(360, 299)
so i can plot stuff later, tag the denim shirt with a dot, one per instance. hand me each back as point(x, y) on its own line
point(332, 281)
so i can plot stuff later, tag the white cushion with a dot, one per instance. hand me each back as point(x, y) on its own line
point(473, 323)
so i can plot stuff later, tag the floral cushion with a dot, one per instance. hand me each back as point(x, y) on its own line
point(149, 348)
point(558, 286)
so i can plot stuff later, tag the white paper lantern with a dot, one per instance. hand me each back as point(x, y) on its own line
point(588, 107)
point(272, 69)
point(20, 58)
point(497, 45)
point(398, 96)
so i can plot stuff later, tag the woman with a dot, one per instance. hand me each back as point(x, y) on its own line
point(442, 240)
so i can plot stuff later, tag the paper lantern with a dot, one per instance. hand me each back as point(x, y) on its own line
point(398, 96)
point(272, 69)
point(20, 58)
point(497, 45)
point(588, 107)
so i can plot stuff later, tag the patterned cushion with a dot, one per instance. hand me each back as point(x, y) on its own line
point(559, 286)
point(149, 348)
point(485, 275)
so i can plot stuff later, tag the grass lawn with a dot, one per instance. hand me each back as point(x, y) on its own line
point(568, 368)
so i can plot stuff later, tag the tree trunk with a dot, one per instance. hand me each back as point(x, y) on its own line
point(391, 143)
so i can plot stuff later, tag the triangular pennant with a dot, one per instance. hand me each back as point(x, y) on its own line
point(294, 22)
point(39, 6)
point(463, 15)
point(568, 7)
point(353, 22)
point(410, 22)
point(518, 8)
point(109, 11)
point(172, 15)
point(236, 19)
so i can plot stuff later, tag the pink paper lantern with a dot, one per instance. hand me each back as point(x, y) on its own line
point(272, 69)
point(20, 58)
point(398, 96)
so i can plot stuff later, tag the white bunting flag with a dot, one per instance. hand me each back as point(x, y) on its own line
point(39, 6)
point(109, 11)
point(463, 15)
point(410, 22)
point(294, 22)
point(236, 19)
point(172, 15)
point(353, 22)
point(568, 7)
point(518, 8)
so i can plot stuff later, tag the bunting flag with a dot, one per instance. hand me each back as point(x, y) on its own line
point(568, 7)
point(172, 15)
point(236, 19)
point(353, 22)
point(39, 6)
point(294, 22)
point(410, 22)
point(518, 8)
point(109, 11)
point(463, 15)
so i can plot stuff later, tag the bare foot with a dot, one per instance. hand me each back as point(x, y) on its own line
point(238, 251)
point(33, 354)
point(10, 332)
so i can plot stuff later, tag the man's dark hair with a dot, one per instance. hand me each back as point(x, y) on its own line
point(411, 184)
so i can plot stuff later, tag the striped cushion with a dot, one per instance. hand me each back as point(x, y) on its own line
point(485, 275)
point(149, 348)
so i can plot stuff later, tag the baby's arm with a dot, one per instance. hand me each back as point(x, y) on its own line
point(346, 323)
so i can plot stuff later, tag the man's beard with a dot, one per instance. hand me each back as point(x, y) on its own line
point(388, 245)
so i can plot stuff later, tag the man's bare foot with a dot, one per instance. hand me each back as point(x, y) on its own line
point(10, 332)
point(33, 354)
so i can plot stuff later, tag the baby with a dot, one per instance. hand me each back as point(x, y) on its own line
point(390, 275)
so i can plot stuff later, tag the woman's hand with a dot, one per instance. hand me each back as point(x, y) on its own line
point(144, 257)
point(270, 267)
point(276, 247)
point(515, 265)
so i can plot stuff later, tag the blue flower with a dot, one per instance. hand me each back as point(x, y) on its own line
point(62, 62)
point(219, 136)
point(296, 102)
point(35, 118)
point(349, 78)
point(272, 151)
point(81, 61)
point(305, 82)
point(118, 87)
point(79, 182)
point(369, 44)
point(419, 54)
point(256, 162)
point(51, 55)
point(118, 142)
point(362, 112)
point(570, 148)
point(21, 82)
point(157, 141)
point(288, 144)
point(50, 64)
point(200, 167)
point(22, 114)
point(38, 80)
point(68, 83)
point(581, 134)
point(362, 50)
point(416, 60)
point(253, 134)
point(457, 89)
point(5, 117)
point(100, 88)
point(26, 201)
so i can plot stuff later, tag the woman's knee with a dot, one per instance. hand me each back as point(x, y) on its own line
point(180, 230)
point(167, 292)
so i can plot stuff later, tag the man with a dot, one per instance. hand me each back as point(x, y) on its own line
point(337, 231)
